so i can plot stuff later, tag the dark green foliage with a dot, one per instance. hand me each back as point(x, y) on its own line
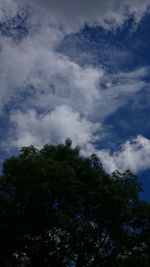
point(60, 209)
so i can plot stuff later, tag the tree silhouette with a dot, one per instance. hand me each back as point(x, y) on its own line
point(58, 208)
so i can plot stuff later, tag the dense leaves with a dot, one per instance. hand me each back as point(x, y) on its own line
point(60, 209)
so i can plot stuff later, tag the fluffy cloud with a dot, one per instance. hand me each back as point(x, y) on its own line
point(134, 155)
point(53, 127)
point(54, 78)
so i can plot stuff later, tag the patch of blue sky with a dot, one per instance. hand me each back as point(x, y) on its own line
point(130, 119)
point(124, 49)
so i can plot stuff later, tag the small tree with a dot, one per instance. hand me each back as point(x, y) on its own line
point(60, 209)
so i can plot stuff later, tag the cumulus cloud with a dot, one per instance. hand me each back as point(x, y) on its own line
point(134, 155)
point(54, 78)
point(53, 127)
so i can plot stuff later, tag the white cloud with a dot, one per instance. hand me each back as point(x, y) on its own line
point(134, 155)
point(53, 127)
point(56, 79)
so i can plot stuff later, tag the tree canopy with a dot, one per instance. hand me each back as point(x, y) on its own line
point(58, 208)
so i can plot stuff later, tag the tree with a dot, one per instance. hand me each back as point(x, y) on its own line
point(58, 208)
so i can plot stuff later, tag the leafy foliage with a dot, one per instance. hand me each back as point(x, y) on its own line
point(58, 208)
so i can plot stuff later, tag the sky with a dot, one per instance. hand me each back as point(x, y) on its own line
point(77, 69)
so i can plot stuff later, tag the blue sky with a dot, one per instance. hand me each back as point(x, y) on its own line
point(78, 69)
